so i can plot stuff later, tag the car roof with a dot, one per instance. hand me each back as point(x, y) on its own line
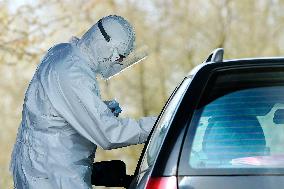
point(240, 62)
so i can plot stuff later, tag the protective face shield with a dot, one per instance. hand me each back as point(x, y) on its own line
point(115, 49)
point(118, 64)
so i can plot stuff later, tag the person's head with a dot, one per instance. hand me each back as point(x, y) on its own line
point(107, 43)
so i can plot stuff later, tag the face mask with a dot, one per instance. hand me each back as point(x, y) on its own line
point(113, 67)
point(111, 70)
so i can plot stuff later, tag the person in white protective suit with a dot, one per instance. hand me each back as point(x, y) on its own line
point(64, 118)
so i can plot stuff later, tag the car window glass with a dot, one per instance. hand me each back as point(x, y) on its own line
point(240, 123)
point(162, 126)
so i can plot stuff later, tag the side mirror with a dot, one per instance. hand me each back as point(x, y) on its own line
point(110, 174)
point(279, 116)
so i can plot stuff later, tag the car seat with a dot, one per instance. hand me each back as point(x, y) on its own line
point(230, 137)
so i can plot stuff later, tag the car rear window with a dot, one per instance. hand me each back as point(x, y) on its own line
point(239, 123)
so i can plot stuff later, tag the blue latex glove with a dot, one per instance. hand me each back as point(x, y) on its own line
point(113, 105)
point(117, 111)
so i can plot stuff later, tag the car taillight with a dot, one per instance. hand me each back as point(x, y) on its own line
point(162, 183)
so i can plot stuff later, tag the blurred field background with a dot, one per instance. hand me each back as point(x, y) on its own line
point(179, 33)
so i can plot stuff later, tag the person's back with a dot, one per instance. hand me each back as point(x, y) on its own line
point(45, 138)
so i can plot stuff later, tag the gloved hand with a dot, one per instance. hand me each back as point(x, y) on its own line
point(113, 105)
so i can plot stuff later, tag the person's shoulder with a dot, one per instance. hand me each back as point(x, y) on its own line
point(60, 51)
point(60, 56)
point(60, 47)
point(64, 61)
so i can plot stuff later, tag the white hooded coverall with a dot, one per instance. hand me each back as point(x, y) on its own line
point(63, 121)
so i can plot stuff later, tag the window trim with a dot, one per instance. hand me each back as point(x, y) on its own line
point(138, 169)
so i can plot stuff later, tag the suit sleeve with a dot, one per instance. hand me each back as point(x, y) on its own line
point(75, 99)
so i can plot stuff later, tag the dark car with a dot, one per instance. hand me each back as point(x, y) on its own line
point(223, 127)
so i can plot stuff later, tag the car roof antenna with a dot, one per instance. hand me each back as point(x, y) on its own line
point(216, 55)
